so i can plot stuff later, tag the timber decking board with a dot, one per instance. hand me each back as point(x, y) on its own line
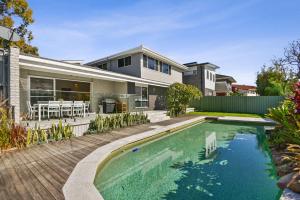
point(40, 172)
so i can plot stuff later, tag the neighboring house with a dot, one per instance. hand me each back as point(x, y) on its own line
point(224, 85)
point(245, 90)
point(139, 73)
point(147, 64)
point(201, 75)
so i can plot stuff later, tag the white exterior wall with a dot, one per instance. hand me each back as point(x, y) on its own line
point(174, 77)
point(210, 84)
point(14, 82)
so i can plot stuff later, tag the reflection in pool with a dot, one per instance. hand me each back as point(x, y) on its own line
point(211, 160)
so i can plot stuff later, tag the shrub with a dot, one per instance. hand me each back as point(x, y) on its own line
point(55, 133)
point(103, 124)
point(288, 117)
point(5, 127)
point(11, 134)
point(179, 96)
point(17, 136)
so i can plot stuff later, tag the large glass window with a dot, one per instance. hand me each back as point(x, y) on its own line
point(141, 99)
point(45, 89)
point(154, 64)
point(41, 90)
point(72, 90)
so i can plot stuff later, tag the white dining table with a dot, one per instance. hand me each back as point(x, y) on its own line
point(44, 105)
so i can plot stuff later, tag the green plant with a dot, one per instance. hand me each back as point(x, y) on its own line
point(179, 96)
point(288, 118)
point(59, 131)
point(5, 124)
point(103, 124)
point(55, 133)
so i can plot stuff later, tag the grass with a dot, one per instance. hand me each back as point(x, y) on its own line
point(223, 114)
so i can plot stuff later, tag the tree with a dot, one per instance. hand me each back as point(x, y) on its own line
point(292, 56)
point(179, 96)
point(17, 14)
point(276, 80)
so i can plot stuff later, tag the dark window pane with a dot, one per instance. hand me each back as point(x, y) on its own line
point(41, 84)
point(165, 68)
point(144, 60)
point(72, 90)
point(121, 62)
point(160, 66)
point(128, 61)
point(207, 74)
point(152, 64)
point(144, 93)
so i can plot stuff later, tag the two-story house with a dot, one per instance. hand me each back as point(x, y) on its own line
point(138, 76)
point(201, 75)
point(224, 85)
point(147, 64)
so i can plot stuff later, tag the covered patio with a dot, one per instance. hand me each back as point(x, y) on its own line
point(50, 90)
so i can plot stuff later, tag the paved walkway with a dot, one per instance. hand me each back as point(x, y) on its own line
point(41, 171)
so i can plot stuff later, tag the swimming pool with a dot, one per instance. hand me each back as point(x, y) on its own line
point(211, 160)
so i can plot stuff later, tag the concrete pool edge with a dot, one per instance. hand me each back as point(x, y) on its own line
point(80, 184)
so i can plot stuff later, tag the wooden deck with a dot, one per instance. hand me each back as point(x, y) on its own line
point(39, 172)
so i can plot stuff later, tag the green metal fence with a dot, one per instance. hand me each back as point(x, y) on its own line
point(237, 104)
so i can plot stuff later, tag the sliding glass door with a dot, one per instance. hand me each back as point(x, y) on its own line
point(141, 100)
point(49, 89)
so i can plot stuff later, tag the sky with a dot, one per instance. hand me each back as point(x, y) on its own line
point(237, 35)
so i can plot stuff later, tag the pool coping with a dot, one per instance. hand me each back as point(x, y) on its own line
point(80, 184)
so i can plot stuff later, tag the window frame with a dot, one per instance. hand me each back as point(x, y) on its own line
point(54, 86)
point(139, 98)
point(123, 60)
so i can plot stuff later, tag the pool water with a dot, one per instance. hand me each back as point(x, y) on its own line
point(211, 160)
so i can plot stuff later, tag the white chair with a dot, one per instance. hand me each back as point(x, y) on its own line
point(78, 108)
point(54, 107)
point(32, 110)
point(66, 107)
point(44, 108)
point(87, 106)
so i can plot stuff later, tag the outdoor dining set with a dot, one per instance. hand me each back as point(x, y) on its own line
point(57, 109)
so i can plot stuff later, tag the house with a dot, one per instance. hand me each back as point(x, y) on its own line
point(144, 63)
point(224, 84)
point(244, 90)
point(138, 76)
point(201, 75)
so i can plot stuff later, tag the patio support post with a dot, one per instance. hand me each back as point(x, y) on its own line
point(14, 82)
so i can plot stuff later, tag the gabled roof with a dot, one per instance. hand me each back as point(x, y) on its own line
point(220, 77)
point(208, 64)
point(140, 49)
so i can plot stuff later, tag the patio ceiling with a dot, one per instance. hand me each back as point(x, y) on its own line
point(53, 66)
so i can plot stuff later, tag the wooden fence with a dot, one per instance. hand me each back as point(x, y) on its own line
point(237, 104)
